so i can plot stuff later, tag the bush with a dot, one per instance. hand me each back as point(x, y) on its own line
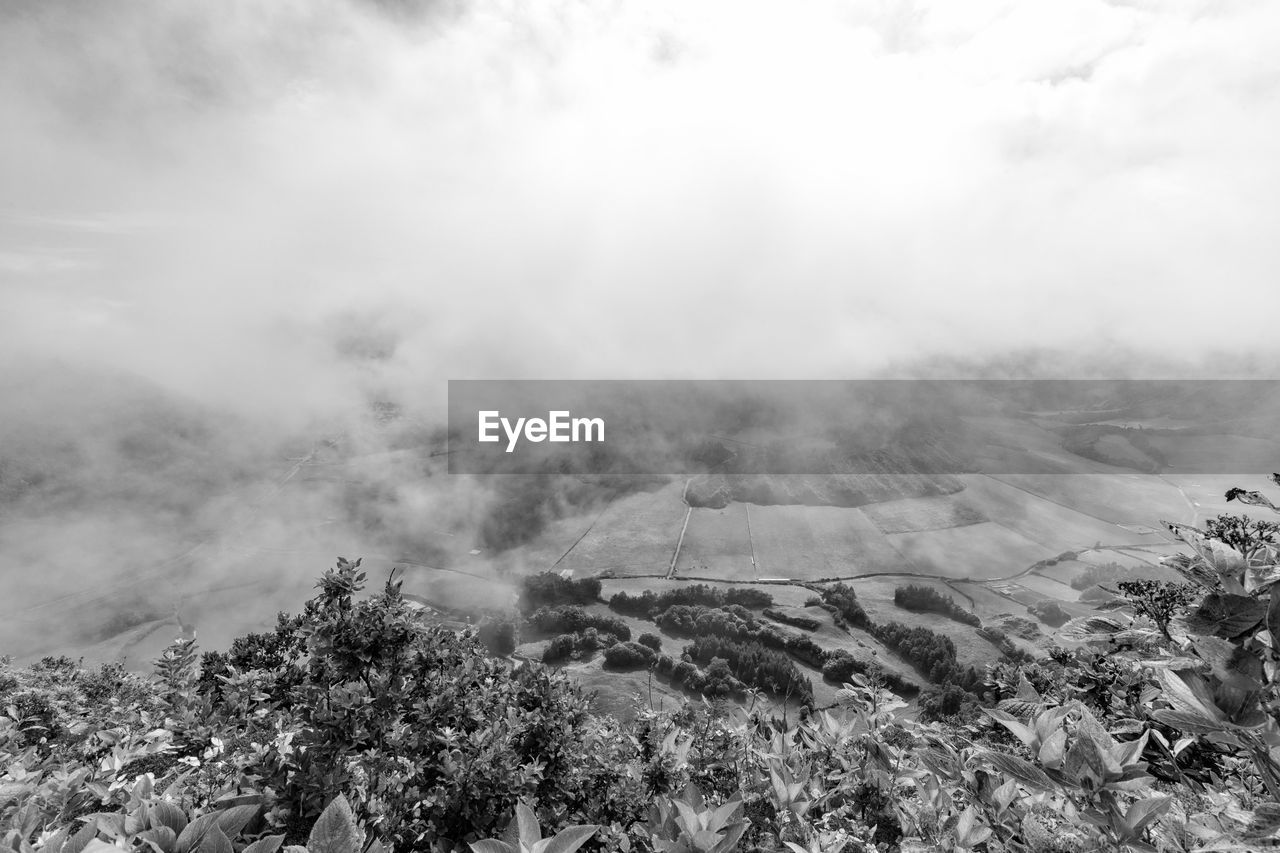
point(755, 665)
point(805, 623)
point(560, 649)
point(924, 599)
point(571, 619)
point(628, 655)
point(649, 604)
point(848, 610)
point(550, 590)
point(500, 637)
point(653, 641)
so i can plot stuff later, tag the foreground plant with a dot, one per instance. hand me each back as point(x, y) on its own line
point(524, 835)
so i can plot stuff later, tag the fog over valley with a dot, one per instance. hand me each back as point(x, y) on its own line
point(243, 247)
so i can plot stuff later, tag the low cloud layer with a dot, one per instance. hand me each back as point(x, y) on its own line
point(282, 212)
point(210, 195)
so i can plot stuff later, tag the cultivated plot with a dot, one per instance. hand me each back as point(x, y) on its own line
point(986, 550)
point(915, 515)
point(635, 534)
point(716, 544)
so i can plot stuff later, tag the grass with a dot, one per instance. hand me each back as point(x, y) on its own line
point(976, 551)
point(716, 544)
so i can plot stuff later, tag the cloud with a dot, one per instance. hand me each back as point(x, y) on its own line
point(683, 189)
point(283, 211)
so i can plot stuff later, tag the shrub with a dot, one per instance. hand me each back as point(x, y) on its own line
point(550, 590)
point(924, 599)
point(500, 637)
point(649, 604)
point(848, 610)
point(628, 655)
point(805, 623)
point(572, 619)
point(653, 641)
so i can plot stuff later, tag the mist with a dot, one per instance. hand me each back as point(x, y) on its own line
point(268, 222)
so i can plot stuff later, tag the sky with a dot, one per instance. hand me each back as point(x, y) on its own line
point(210, 194)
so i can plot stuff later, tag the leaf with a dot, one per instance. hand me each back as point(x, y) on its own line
point(721, 816)
point(732, 835)
point(1130, 752)
point(81, 839)
point(1020, 769)
point(492, 845)
point(232, 820)
point(527, 823)
point(1001, 797)
point(570, 839)
point(53, 844)
point(1091, 629)
point(1143, 812)
point(97, 845)
point(164, 813)
point(1084, 763)
point(1260, 578)
point(1273, 615)
point(1020, 730)
point(336, 831)
point(160, 838)
point(1266, 819)
point(215, 841)
point(1226, 615)
point(1193, 570)
point(1221, 557)
point(968, 831)
point(1179, 693)
point(270, 844)
point(190, 836)
point(1194, 723)
point(1052, 749)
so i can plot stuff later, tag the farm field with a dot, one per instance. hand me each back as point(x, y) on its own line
point(635, 534)
point(1135, 499)
point(1217, 452)
point(716, 544)
point(808, 542)
point(1057, 528)
point(915, 515)
point(975, 551)
point(1048, 587)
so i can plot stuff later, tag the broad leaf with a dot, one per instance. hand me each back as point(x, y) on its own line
point(1143, 812)
point(1187, 694)
point(216, 841)
point(1021, 770)
point(270, 844)
point(570, 839)
point(336, 830)
point(492, 845)
point(1193, 723)
point(1226, 615)
point(167, 814)
point(1019, 729)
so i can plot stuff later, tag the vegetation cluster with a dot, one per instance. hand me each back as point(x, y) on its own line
point(356, 727)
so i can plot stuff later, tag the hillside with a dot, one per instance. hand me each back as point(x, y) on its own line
point(359, 726)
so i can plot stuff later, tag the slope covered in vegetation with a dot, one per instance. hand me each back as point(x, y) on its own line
point(356, 726)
